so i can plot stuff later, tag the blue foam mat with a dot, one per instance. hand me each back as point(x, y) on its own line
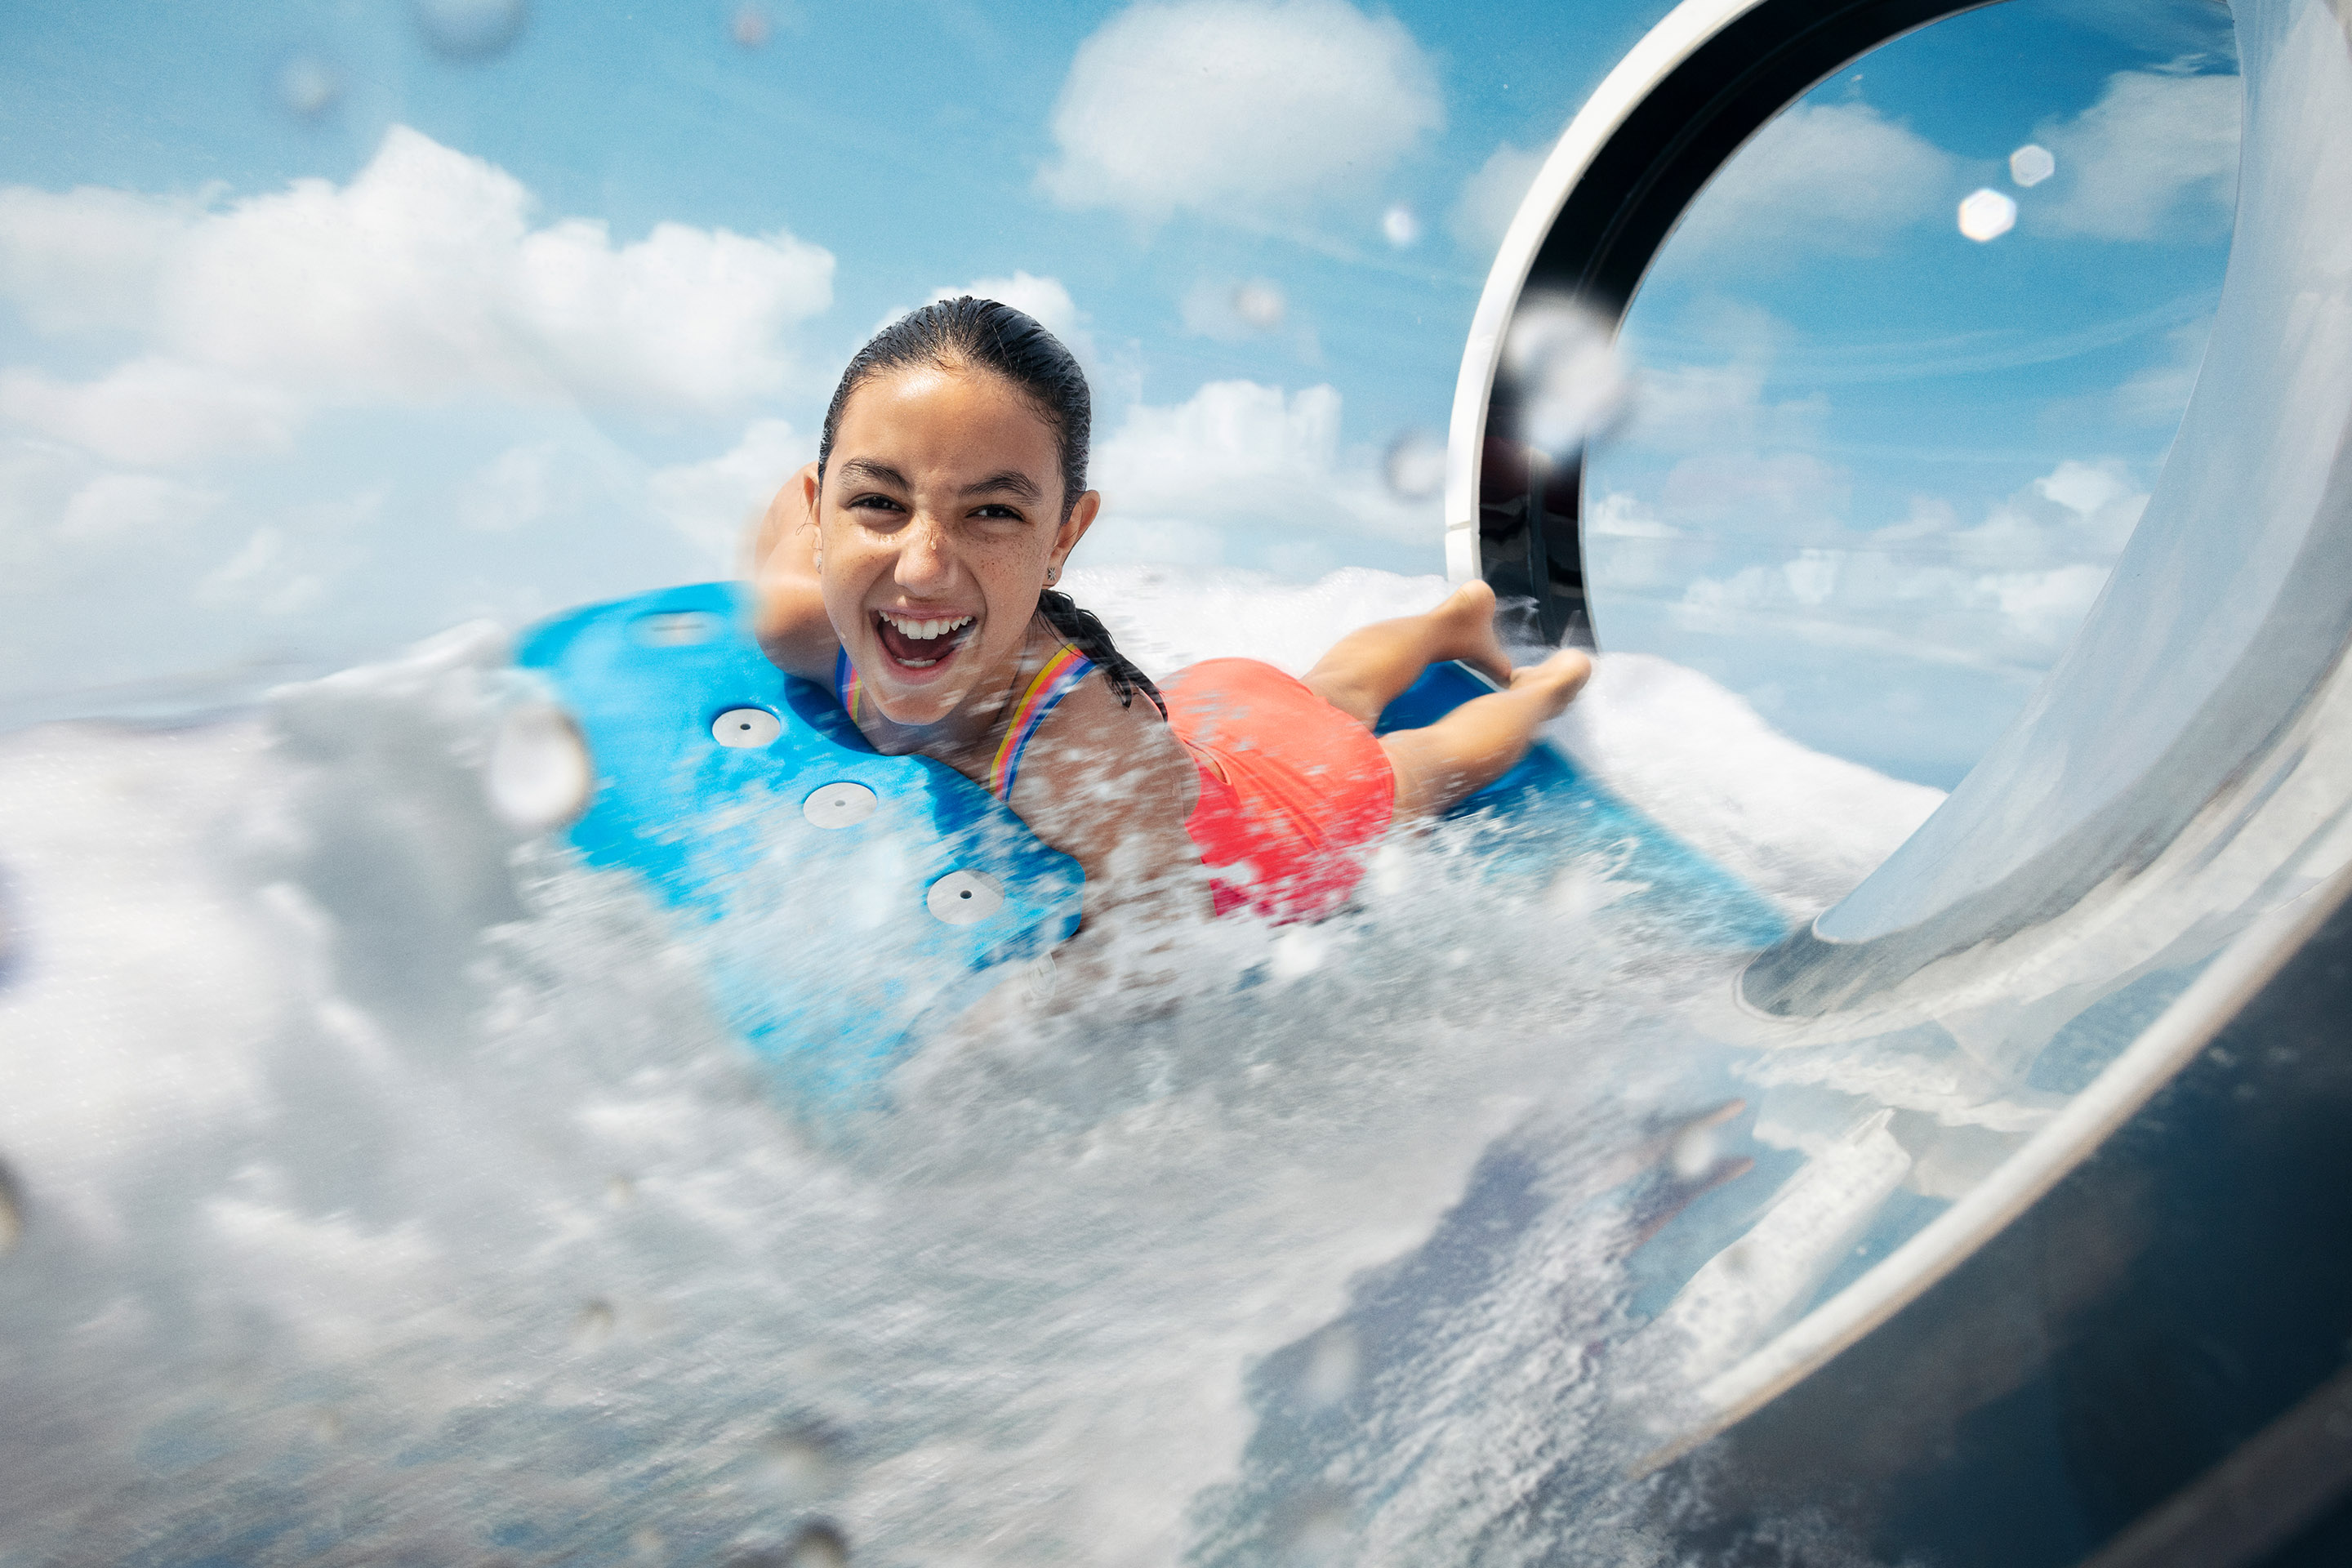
point(821, 941)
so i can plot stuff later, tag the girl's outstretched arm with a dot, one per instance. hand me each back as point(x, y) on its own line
point(788, 597)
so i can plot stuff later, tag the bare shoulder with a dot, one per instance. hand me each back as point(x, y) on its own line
point(1099, 775)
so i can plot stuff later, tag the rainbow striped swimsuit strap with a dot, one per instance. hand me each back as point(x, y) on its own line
point(845, 684)
point(1056, 680)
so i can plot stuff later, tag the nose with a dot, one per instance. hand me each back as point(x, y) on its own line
point(923, 568)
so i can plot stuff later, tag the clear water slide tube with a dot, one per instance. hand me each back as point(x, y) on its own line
point(2117, 948)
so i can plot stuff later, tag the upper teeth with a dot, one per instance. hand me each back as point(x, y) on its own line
point(924, 630)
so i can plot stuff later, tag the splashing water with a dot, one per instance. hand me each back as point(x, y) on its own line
point(1561, 356)
point(387, 1190)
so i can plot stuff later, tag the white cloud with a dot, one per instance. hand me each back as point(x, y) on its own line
point(87, 259)
point(1754, 487)
point(118, 507)
point(2155, 157)
point(1231, 107)
point(521, 485)
point(1244, 474)
point(151, 411)
point(1491, 197)
point(262, 577)
point(1629, 551)
point(1836, 177)
point(420, 281)
point(2006, 593)
point(715, 503)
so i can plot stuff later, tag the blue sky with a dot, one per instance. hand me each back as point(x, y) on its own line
point(314, 339)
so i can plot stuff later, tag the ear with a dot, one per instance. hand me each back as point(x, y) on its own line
point(1074, 527)
point(794, 508)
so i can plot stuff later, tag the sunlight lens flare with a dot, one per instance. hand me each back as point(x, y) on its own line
point(1987, 214)
point(1400, 226)
point(1562, 358)
point(2030, 164)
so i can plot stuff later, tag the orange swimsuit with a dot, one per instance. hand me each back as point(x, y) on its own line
point(1294, 792)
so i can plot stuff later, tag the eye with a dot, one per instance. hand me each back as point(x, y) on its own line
point(997, 512)
point(875, 503)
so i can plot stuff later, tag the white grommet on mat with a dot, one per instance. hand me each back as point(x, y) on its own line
point(964, 897)
point(746, 727)
point(843, 804)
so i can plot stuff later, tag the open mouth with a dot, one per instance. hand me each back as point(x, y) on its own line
point(914, 643)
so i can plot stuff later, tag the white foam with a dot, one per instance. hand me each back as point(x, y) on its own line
point(369, 1146)
point(1797, 826)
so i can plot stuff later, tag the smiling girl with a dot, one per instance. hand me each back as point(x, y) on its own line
point(912, 567)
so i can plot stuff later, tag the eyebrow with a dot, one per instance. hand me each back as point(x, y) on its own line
point(879, 473)
point(1009, 481)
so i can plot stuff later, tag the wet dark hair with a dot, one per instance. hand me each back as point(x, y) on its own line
point(966, 332)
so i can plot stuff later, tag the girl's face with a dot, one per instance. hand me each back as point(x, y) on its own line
point(939, 516)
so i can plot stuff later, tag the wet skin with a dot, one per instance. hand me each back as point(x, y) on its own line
point(922, 551)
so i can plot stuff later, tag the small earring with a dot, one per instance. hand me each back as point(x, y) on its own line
point(1052, 575)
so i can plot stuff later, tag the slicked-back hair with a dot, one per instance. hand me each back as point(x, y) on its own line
point(966, 334)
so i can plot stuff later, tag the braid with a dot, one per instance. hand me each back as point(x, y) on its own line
point(1084, 632)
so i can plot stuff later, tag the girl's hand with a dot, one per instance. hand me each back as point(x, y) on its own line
point(787, 591)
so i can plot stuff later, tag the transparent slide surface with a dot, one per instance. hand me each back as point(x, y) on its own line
point(2070, 1065)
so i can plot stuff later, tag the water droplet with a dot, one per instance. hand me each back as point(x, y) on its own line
point(470, 30)
point(1311, 1527)
point(1987, 214)
point(1297, 952)
point(1335, 1359)
point(594, 1326)
point(1692, 1151)
point(2030, 164)
point(750, 27)
point(1260, 304)
point(802, 1462)
point(308, 87)
point(1414, 465)
point(818, 1545)
point(1400, 226)
point(12, 1212)
point(1562, 358)
point(540, 775)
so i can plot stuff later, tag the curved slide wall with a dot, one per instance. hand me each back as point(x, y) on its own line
point(2128, 1284)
